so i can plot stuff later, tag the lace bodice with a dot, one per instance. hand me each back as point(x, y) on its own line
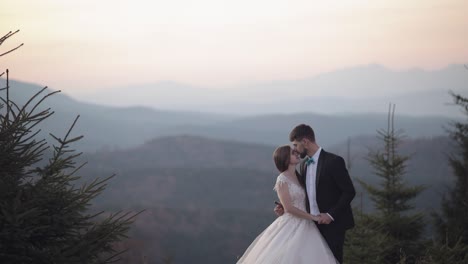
point(296, 192)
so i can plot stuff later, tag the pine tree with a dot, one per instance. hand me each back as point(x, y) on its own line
point(392, 198)
point(366, 242)
point(44, 212)
point(452, 223)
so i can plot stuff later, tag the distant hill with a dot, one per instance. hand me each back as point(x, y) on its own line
point(193, 166)
point(105, 126)
point(189, 152)
point(204, 194)
point(113, 127)
point(360, 89)
point(214, 163)
point(330, 130)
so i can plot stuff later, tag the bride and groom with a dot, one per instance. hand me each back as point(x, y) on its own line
point(314, 210)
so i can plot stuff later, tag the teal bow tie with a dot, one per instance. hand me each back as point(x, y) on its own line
point(310, 161)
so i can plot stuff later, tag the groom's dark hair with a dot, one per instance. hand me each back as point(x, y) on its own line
point(302, 131)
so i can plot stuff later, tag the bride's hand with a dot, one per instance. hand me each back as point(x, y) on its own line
point(315, 218)
point(279, 210)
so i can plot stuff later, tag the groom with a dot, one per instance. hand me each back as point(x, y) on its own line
point(329, 189)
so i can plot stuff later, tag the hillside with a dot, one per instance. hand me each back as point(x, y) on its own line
point(104, 126)
point(204, 166)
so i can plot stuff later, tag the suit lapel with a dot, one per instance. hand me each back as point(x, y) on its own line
point(320, 164)
point(303, 173)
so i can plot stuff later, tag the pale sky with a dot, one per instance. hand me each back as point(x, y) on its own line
point(80, 46)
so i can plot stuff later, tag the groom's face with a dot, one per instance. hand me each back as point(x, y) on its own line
point(299, 148)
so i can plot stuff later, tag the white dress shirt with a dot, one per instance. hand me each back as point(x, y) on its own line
point(310, 183)
point(311, 177)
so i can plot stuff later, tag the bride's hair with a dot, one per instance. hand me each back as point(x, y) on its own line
point(282, 157)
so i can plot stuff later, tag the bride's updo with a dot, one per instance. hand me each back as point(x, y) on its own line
point(282, 157)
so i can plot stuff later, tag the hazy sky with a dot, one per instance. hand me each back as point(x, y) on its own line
point(83, 45)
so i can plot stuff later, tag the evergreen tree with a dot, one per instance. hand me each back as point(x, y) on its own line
point(452, 223)
point(438, 253)
point(44, 212)
point(366, 242)
point(392, 198)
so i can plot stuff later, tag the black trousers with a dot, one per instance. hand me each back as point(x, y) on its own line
point(335, 240)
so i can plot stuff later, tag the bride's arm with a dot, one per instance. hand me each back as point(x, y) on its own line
point(285, 198)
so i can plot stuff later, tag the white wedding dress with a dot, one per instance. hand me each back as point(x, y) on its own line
point(289, 239)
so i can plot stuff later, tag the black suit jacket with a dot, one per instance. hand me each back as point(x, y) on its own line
point(334, 189)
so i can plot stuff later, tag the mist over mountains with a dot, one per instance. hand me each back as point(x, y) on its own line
point(364, 89)
point(122, 127)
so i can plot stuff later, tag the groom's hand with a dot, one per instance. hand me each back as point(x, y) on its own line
point(325, 219)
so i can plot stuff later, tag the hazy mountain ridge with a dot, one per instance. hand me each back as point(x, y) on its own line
point(104, 126)
point(330, 129)
point(20, 92)
point(371, 87)
point(119, 127)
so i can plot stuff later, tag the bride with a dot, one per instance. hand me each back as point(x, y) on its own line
point(292, 237)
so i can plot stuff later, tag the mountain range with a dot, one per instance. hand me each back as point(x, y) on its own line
point(361, 89)
point(114, 127)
